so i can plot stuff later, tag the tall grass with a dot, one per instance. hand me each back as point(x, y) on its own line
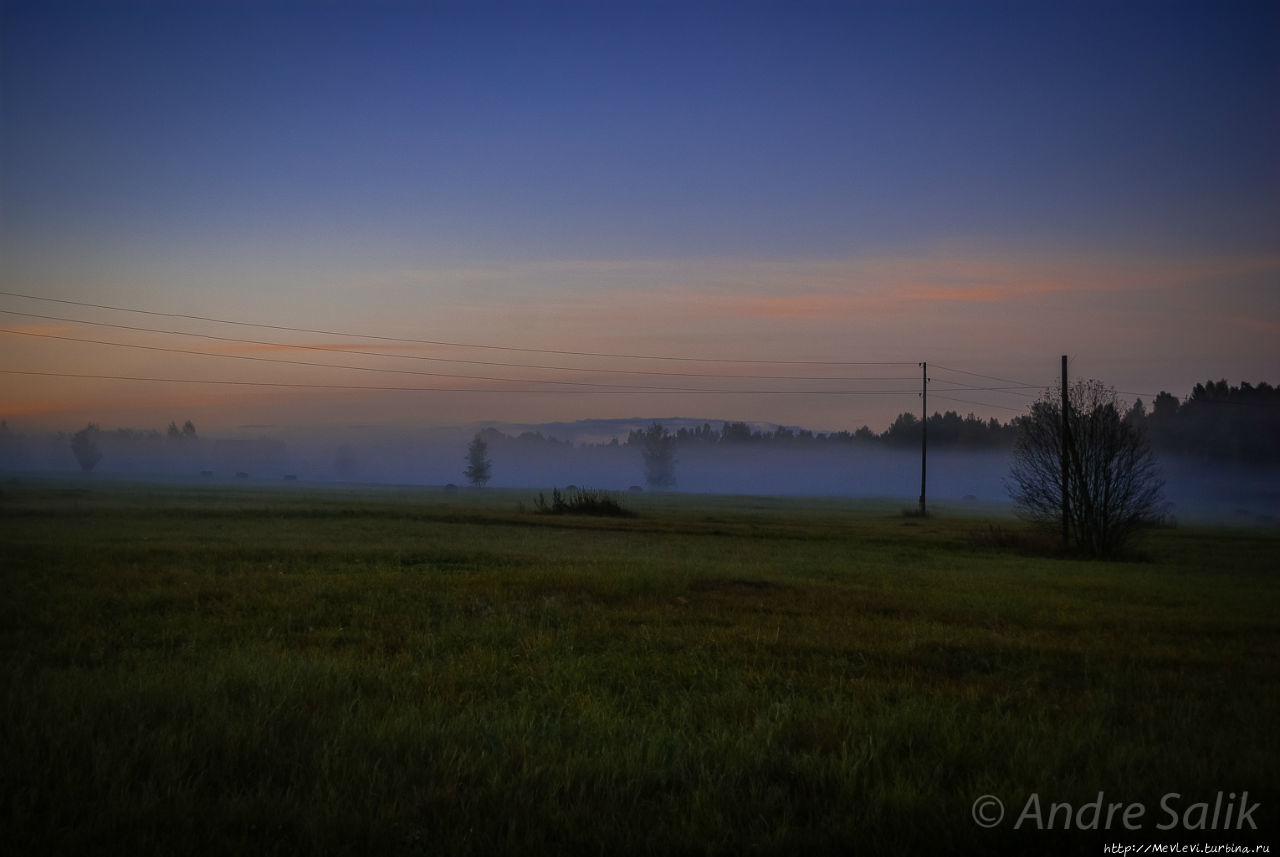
point(209, 671)
point(581, 501)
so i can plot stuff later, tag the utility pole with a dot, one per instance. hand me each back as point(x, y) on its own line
point(924, 428)
point(1066, 454)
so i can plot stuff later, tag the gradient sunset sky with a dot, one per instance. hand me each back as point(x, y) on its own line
point(834, 191)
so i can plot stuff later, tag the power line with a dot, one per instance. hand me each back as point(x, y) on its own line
point(337, 350)
point(596, 387)
point(96, 377)
point(980, 375)
point(980, 404)
point(970, 388)
point(374, 388)
point(1015, 387)
point(312, 363)
point(461, 344)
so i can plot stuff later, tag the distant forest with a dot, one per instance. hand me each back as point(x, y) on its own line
point(1216, 421)
point(945, 430)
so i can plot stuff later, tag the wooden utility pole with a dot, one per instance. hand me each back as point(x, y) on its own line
point(924, 428)
point(1065, 456)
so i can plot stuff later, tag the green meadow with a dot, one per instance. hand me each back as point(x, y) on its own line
point(292, 670)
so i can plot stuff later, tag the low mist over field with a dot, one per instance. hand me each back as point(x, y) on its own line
point(598, 454)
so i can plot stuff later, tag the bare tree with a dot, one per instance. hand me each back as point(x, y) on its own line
point(658, 450)
point(478, 463)
point(1113, 487)
point(84, 445)
point(187, 432)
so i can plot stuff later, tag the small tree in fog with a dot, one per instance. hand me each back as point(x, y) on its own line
point(84, 444)
point(187, 432)
point(1113, 486)
point(659, 451)
point(478, 464)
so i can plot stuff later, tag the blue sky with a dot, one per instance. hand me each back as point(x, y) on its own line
point(982, 185)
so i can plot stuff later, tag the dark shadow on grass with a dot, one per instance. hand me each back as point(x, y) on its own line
point(1035, 541)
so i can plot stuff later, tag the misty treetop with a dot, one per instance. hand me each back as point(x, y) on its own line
point(658, 451)
point(479, 466)
point(94, 448)
point(84, 445)
point(187, 432)
point(89, 443)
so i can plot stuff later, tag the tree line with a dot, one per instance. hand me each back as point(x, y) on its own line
point(1217, 420)
point(945, 430)
point(85, 444)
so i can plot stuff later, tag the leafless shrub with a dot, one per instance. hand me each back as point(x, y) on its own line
point(1113, 488)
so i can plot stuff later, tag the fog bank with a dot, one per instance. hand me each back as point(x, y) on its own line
point(1196, 489)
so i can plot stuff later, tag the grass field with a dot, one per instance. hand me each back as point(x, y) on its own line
point(194, 670)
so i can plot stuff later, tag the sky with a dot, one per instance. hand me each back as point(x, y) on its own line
point(553, 211)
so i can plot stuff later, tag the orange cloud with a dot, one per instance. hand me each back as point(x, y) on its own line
point(570, 302)
point(897, 298)
point(835, 290)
